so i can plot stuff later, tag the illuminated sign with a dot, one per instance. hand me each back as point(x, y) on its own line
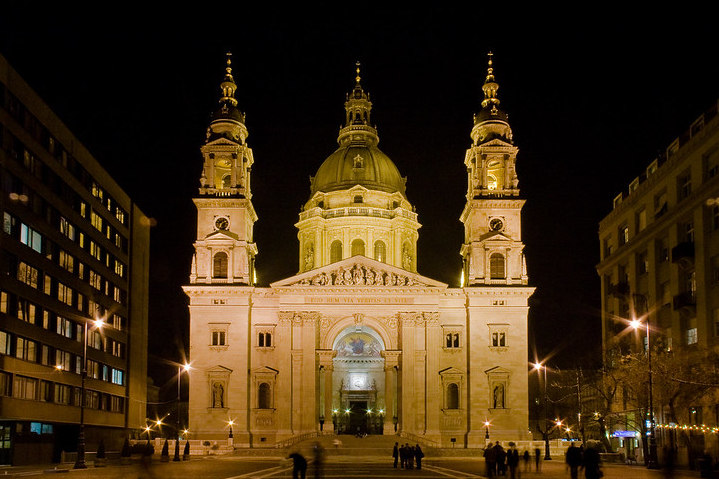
point(624, 434)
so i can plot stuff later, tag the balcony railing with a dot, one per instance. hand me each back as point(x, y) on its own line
point(683, 251)
point(684, 300)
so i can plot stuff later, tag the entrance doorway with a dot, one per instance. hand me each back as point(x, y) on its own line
point(358, 418)
point(358, 381)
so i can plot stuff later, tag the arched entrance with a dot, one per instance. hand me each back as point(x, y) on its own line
point(358, 382)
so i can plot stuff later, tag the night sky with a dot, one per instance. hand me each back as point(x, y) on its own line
point(590, 105)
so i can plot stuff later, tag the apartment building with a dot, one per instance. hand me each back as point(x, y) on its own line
point(660, 254)
point(74, 249)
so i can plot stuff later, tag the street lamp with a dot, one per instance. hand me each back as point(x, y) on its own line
point(547, 456)
point(186, 367)
point(230, 423)
point(486, 431)
point(80, 459)
point(652, 462)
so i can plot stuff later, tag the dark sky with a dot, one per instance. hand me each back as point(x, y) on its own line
point(592, 98)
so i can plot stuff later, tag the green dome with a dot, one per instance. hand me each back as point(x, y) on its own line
point(364, 165)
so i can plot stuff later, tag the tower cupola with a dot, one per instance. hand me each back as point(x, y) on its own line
point(491, 122)
point(228, 121)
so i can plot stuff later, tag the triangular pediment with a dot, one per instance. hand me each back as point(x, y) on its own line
point(450, 371)
point(221, 235)
point(359, 271)
point(221, 141)
point(497, 142)
point(219, 369)
point(497, 370)
point(495, 236)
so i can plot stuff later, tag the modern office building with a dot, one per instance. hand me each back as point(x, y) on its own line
point(660, 255)
point(358, 340)
point(74, 249)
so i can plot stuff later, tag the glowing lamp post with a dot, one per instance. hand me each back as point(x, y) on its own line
point(80, 459)
point(486, 431)
point(186, 367)
point(651, 462)
point(547, 456)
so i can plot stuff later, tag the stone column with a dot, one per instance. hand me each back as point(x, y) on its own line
point(326, 369)
point(391, 364)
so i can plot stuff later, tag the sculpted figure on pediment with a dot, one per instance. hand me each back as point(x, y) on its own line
point(340, 277)
point(357, 275)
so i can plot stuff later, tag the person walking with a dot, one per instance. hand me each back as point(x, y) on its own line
point(537, 460)
point(410, 456)
point(402, 456)
point(525, 457)
point(418, 455)
point(591, 464)
point(299, 465)
point(319, 455)
point(574, 460)
point(395, 454)
point(513, 460)
point(490, 459)
point(501, 455)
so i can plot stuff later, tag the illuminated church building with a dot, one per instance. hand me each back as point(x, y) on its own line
point(358, 340)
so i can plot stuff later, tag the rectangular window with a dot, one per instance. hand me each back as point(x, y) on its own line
point(63, 360)
point(692, 337)
point(25, 388)
point(64, 293)
point(119, 269)
point(117, 376)
point(642, 263)
point(26, 349)
point(5, 343)
point(623, 235)
point(66, 260)
point(684, 185)
point(5, 384)
point(660, 204)
point(451, 340)
point(96, 220)
point(663, 250)
point(30, 237)
point(95, 280)
point(95, 250)
point(26, 311)
point(641, 219)
point(67, 228)
point(218, 338)
point(62, 394)
point(27, 274)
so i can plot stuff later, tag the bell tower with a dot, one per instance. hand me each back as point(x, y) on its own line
point(493, 250)
point(224, 250)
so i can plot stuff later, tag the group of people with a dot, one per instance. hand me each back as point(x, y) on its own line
point(407, 455)
point(589, 460)
point(498, 460)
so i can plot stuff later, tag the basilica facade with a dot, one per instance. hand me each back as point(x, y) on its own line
point(358, 340)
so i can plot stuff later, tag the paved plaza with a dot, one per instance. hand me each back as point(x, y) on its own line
point(234, 467)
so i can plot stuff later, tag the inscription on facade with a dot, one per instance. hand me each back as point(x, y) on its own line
point(357, 300)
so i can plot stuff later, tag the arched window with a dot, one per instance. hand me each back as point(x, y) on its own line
point(452, 396)
point(219, 265)
point(380, 251)
point(357, 247)
point(335, 251)
point(264, 396)
point(496, 266)
point(227, 181)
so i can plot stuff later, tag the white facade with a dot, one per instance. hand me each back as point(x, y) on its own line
point(358, 340)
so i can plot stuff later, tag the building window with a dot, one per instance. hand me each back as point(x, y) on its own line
point(264, 396)
point(641, 219)
point(499, 339)
point(219, 265)
point(358, 199)
point(24, 387)
point(689, 231)
point(30, 237)
point(663, 250)
point(219, 338)
point(452, 396)
point(27, 274)
point(117, 377)
point(608, 247)
point(336, 251)
point(692, 336)
point(660, 204)
point(684, 185)
point(357, 247)
point(264, 339)
point(496, 266)
point(623, 235)
point(642, 263)
point(380, 251)
point(26, 349)
point(451, 340)
point(5, 343)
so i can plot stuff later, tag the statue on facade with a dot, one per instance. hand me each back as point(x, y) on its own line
point(499, 396)
point(218, 395)
point(309, 257)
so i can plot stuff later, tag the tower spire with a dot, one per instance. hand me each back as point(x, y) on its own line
point(228, 85)
point(490, 86)
point(357, 127)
